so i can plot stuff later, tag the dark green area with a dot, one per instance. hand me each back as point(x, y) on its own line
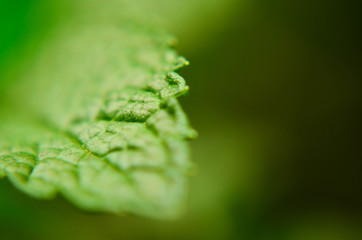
point(13, 24)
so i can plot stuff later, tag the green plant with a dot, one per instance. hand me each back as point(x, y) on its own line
point(94, 116)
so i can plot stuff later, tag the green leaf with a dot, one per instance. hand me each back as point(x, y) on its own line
point(94, 117)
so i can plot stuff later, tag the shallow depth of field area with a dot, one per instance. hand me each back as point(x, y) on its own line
point(274, 97)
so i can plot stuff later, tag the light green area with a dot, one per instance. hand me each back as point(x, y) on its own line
point(94, 115)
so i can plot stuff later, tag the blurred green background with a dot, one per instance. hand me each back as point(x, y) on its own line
point(275, 97)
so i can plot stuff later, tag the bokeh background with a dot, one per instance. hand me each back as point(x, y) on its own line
point(275, 97)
